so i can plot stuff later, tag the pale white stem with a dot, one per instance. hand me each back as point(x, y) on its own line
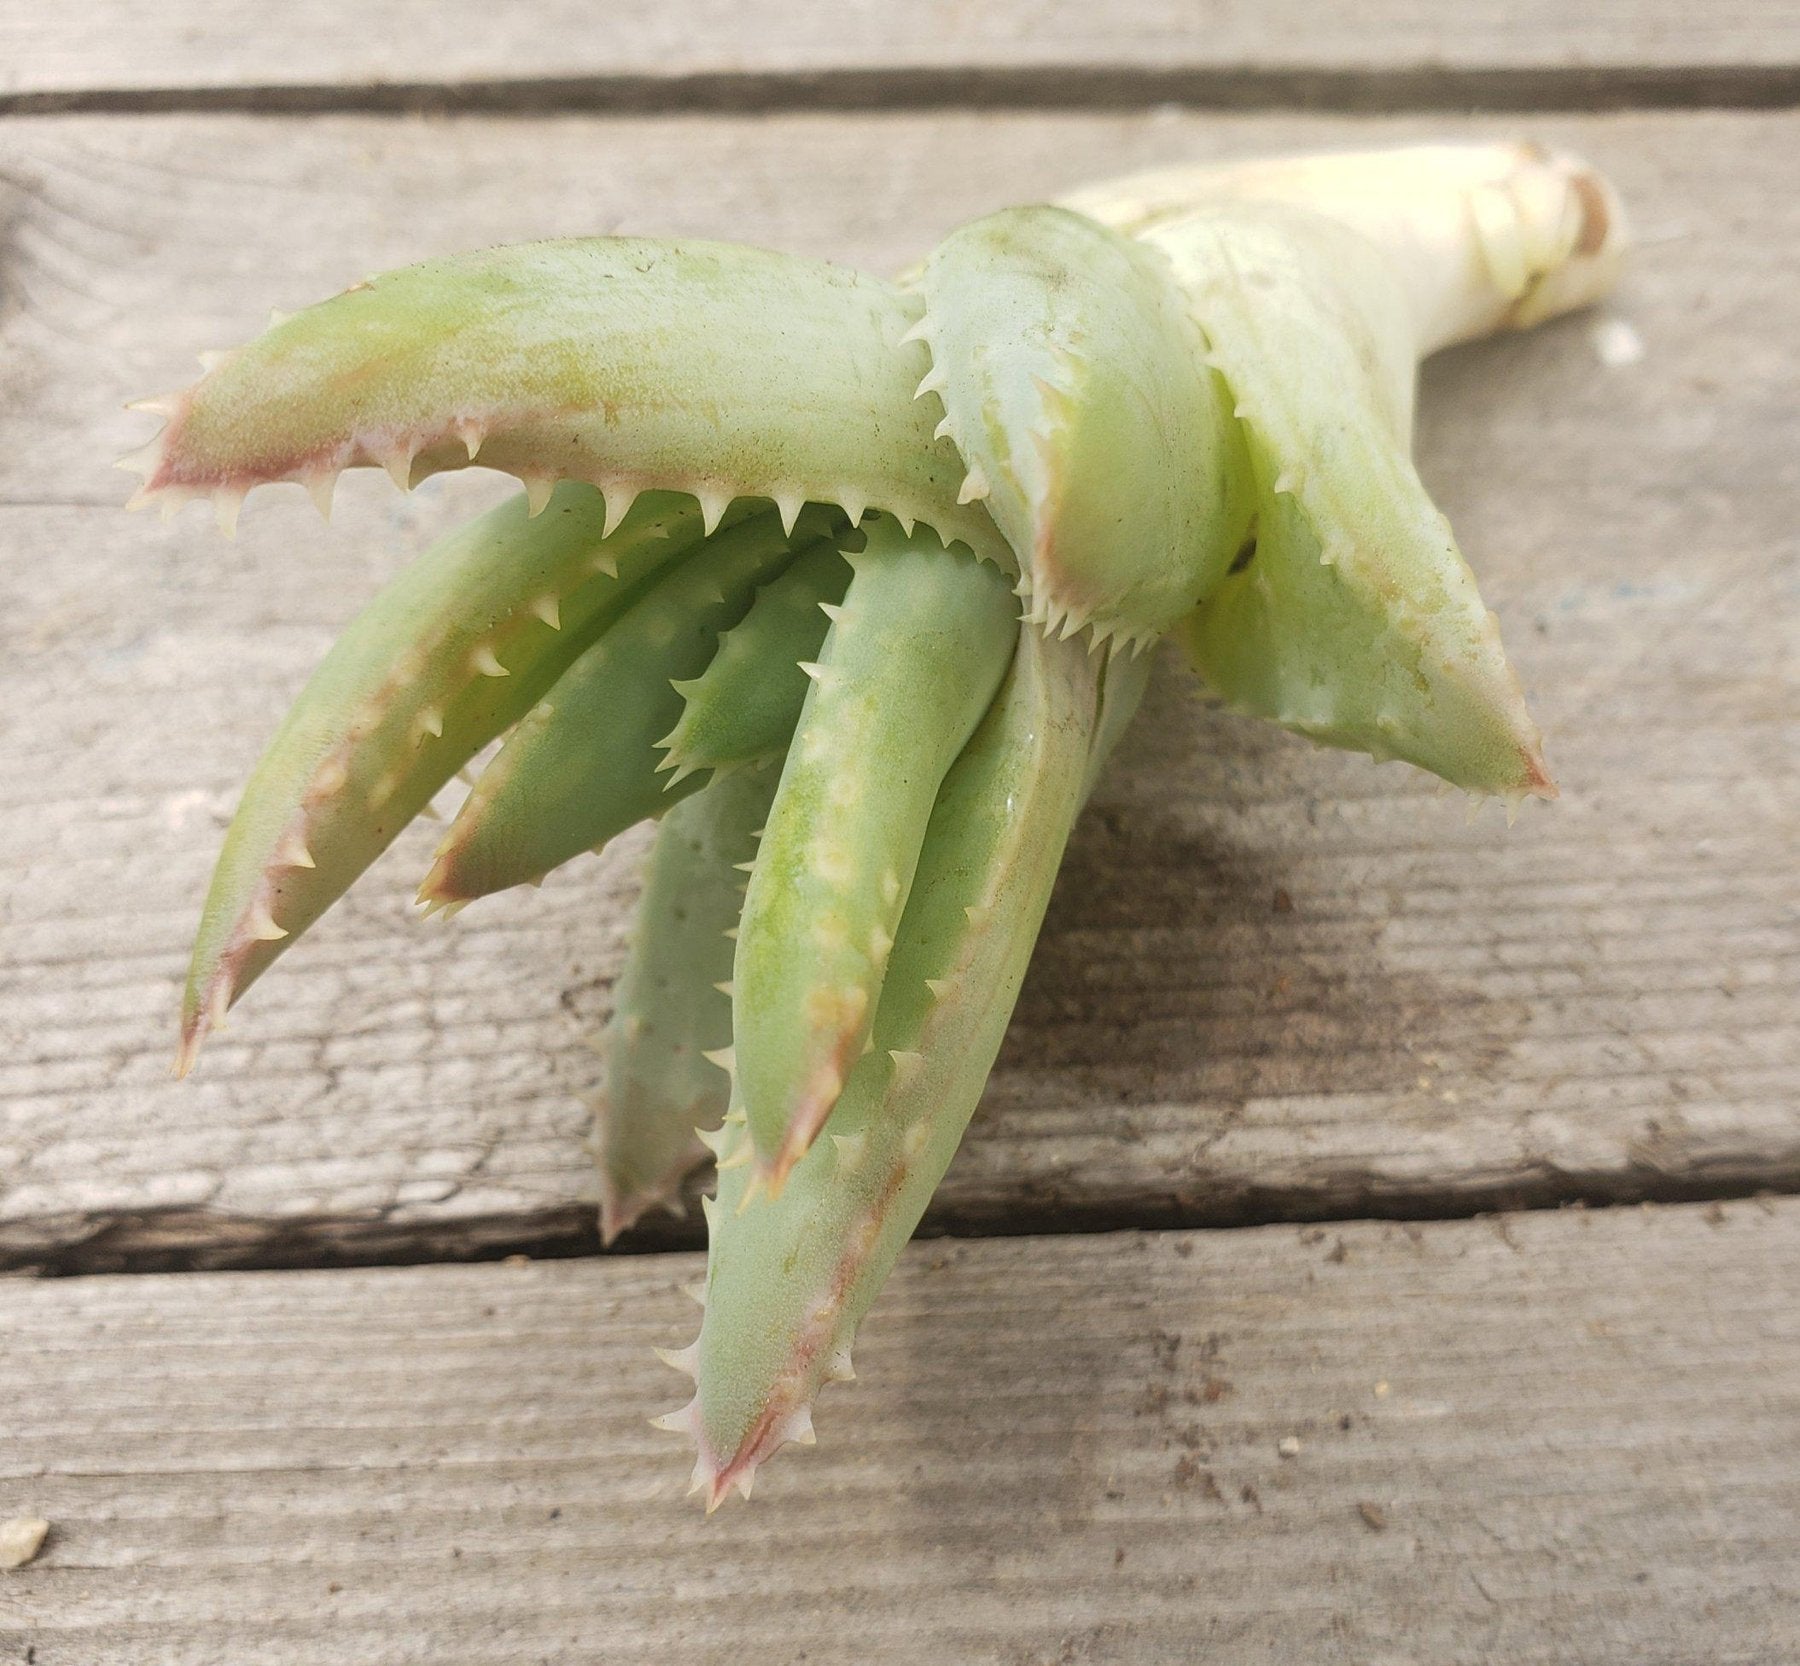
point(1479, 238)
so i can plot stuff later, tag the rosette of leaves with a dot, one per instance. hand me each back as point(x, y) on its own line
point(847, 582)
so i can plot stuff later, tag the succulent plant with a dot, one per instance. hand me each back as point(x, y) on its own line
point(849, 582)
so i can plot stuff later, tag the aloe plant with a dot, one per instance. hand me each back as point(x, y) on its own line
point(849, 582)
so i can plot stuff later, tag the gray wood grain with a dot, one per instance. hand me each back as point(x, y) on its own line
point(1563, 1437)
point(1275, 981)
point(699, 50)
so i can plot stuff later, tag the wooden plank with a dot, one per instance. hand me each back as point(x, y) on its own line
point(725, 50)
point(1275, 981)
point(1530, 1439)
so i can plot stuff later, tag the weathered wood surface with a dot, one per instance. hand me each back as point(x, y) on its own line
point(1275, 981)
point(728, 50)
point(1559, 1438)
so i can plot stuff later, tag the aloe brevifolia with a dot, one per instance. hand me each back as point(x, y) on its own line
point(849, 581)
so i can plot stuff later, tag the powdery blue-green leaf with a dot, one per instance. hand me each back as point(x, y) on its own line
point(910, 663)
point(1075, 385)
point(1350, 615)
point(745, 704)
point(671, 1009)
point(627, 363)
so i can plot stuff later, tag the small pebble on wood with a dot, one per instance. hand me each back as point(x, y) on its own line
point(21, 1539)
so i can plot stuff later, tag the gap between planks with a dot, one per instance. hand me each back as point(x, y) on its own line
point(755, 56)
point(1089, 87)
point(178, 1240)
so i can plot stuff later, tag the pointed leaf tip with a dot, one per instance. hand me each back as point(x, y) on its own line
point(187, 1052)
